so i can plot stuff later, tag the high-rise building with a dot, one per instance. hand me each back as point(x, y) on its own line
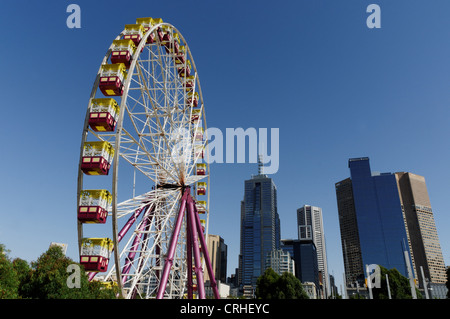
point(349, 232)
point(304, 253)
point(423, 238)
point(218, 254)
point(377, 214)
point(260, 227)
point(333, 288)
point(280, 261)
point(310, 227)
point(383, 215)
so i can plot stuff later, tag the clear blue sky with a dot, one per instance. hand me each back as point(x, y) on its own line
point(335, 89)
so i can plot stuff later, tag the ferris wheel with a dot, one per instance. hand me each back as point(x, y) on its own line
point(143, 197)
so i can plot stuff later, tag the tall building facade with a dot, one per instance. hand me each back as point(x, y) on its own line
point(423, 237)
point(310, 227)
point(304, 253)
point(218, 254)
point(260, 227)
point(383, 215)
point(377, 214)
point(280, 261)
point(351, 248)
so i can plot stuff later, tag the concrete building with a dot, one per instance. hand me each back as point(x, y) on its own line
point(280, 261)
point(422, 234)
point(218, 254)
point(310, 227)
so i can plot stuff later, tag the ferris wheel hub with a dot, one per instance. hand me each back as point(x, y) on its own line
point(150, 104)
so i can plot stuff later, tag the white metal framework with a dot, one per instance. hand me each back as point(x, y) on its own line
point(157, 146)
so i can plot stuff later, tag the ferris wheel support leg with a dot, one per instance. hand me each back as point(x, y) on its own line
point(173, 243)
point(134, 248)
point(198, 263)
point(189, 258)
point(144, 248)
point(206, 254)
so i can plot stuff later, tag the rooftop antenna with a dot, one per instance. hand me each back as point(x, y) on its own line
point(260, 165)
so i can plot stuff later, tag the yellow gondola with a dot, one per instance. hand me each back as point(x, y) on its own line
point(97, 158)
point(103, 114)
point(93, 205)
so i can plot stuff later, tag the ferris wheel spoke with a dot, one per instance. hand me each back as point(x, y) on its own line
point(161, 124)
point(150, 235)
point(132, 151)
point(153, 137)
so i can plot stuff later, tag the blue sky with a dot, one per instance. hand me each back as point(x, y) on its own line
point(335, 88)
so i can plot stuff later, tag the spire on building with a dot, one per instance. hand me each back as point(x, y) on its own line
point(260, 165)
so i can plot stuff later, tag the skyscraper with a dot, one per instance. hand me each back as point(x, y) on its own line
point(260, 227)
point(310, 226)
point(372, 204)
point(423, 238)
point(369, 206)
point(218, 254)
point(304, 253)
point(349, 232)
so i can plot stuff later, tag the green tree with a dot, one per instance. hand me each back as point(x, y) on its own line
point(266, 285)
point(398, 284)
point(289, 287)
point(23, 273)
point(270, 285)
point(9, 283)
point(49, 279)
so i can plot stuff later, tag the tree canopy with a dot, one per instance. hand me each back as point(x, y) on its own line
point(46, 278)
point(270, 285)
point(398, 284)
point(9, 282)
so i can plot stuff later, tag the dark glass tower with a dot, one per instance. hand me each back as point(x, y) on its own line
point(260, 227)
point(304, 253)
point(373, 206)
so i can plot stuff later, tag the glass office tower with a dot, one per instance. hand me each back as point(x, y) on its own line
point(378, 217)
point(304, 253)
point(310, 226)
point(260, 227)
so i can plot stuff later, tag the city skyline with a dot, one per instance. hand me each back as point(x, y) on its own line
point(333, 87)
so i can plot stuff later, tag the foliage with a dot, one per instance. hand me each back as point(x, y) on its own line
point(9, 283)
point(266, 285)
point(49, 277)
point(398, 284)
point(46, 278)
point(24, 272)
point(290, 287)
point(270, 285)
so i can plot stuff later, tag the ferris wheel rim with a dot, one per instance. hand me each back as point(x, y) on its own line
point(118, 134)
